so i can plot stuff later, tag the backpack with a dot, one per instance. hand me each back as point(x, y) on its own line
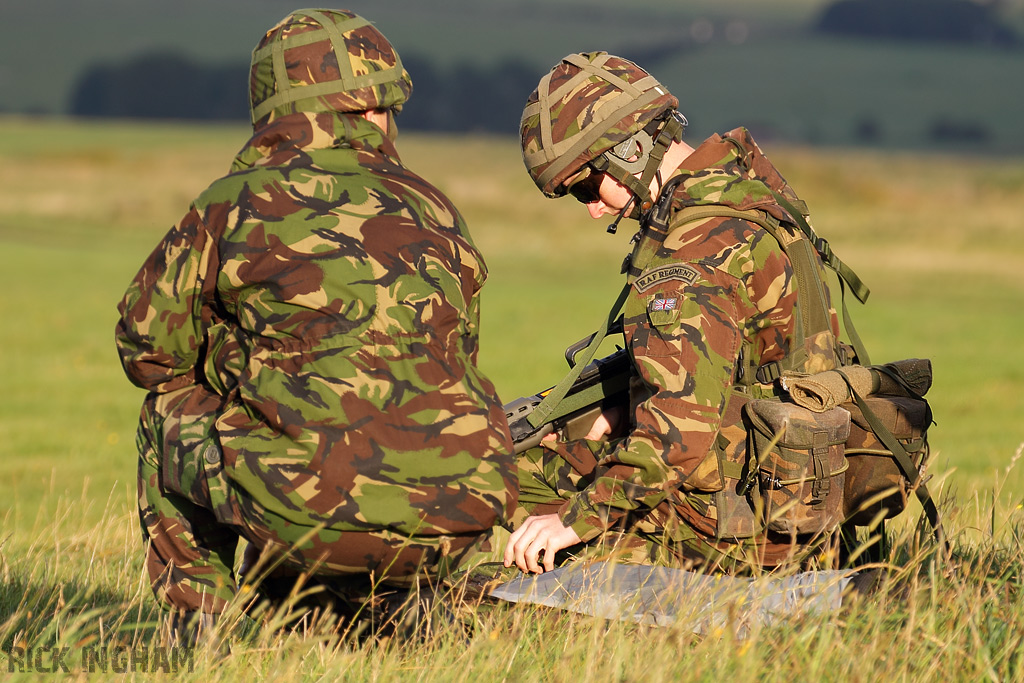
point(842, 444)
point(836, 443)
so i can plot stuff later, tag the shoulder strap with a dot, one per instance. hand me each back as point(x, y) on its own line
point(814, 309)
point(796, 208)
point(858, 288)
point(843, 271)
point(814, 305)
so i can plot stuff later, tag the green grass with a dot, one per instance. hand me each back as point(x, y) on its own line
point(938, 238)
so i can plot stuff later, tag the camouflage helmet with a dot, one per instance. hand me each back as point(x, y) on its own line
point(325, 60)
point(586, 105)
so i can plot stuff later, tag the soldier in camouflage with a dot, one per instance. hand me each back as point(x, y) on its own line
point(308, 337)
point(714, 301)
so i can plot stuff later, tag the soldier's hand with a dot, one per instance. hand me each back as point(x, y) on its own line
point(540, 534)
point(607, 423)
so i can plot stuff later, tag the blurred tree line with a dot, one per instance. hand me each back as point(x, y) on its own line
point(465, 98)
point(474, 98)
point(937, 21)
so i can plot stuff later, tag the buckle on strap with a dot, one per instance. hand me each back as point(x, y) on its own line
point(769, 372)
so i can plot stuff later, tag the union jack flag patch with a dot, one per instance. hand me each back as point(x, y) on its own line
point(663, 304)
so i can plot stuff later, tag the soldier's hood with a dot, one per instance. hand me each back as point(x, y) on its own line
point(299, 133)
point(731, 170)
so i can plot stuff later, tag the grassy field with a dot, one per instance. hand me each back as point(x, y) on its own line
point(937, 238)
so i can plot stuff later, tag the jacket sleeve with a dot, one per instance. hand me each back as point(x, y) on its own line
point(163, 313)
point(684, 333)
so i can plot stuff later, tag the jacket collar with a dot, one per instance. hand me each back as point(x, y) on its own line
point(284, 138)
point(729, 170)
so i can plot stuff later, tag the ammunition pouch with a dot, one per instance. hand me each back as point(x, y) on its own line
point(774, 466)
point(797, 466)
point(781, 467)
point(876, 487)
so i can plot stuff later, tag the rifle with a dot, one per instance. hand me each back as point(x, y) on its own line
point(602, 383)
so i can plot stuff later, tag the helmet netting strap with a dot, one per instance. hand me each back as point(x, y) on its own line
point(621, 106)
point(546, 140)
point(571, 148)
point(595, 68)
point(286, 93)
point(309, 37)
point(340, 49)
point(631, 97)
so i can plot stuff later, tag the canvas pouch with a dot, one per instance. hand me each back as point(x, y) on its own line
point(797, 466)
point(875, 487)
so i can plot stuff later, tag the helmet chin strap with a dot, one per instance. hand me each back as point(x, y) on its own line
point(619, 163)
point(615, 224)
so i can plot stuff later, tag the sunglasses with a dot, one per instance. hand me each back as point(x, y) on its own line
point(586, 187)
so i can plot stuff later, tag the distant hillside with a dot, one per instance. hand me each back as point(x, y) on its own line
point(46, 44)
point(742, 62)
point(933, 21)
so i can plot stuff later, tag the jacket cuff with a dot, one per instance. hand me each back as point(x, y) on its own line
point(584, 518)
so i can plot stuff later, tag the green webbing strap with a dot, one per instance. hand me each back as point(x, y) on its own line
point(845, 274)
point(814, 308)
point(542, 413)
point(904, 462)
point(589, 396)
point(570, 148)
point(851, 331)
point(858, 288)
point(647, 242)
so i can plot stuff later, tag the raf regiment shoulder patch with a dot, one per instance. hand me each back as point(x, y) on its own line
point(654, 276)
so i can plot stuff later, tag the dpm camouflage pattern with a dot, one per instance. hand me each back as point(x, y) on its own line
point(325, 60)
point(193, 520)
point(715, 290)
point(191, 551)
point(555, 470)
point(326, 299)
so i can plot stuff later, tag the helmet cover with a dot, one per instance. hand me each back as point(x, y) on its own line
point(325, 60)
point(587, 104)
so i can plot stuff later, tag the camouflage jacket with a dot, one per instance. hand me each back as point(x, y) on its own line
point(331, 296)
point(715, 288)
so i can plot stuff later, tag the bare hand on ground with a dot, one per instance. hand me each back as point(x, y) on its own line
point(539, 534)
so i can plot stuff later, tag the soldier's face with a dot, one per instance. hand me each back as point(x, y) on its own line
point(612, 197)
point(602, 194)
